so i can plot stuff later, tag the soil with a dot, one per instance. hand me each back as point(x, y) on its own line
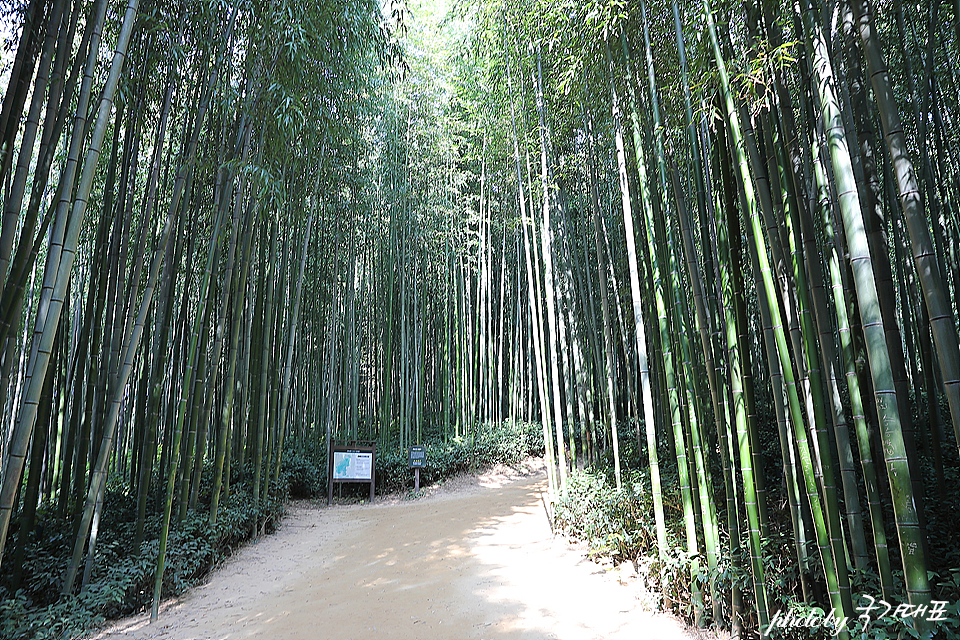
point(471, 559)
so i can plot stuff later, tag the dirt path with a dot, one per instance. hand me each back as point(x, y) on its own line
point(475, 560)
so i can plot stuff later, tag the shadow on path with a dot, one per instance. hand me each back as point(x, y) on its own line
point(477, 564)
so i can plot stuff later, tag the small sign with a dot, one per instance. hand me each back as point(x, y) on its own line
point(418, 456)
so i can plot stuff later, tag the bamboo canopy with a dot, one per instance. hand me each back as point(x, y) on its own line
point(709, 247)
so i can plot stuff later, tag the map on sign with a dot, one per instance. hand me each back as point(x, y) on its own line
point(352, 465)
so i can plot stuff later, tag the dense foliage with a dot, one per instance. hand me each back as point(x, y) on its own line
point(122, 583)
point(616, 525)
point(487, 445)
point(713, 244)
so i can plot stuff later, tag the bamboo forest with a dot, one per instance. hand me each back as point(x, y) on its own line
point(699, 256)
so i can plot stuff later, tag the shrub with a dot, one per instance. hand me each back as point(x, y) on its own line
point(619, 526)
point(489, 444)
point(301, 476)
point(123, 584)
point(615, 524)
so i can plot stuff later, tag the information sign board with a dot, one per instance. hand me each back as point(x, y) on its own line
point(351, 461)
point(418, 456)
point(352, 465)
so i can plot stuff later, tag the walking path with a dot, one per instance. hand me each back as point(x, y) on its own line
point(475, 560)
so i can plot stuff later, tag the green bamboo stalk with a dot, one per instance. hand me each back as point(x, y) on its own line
point(637, 299)
point(287, 370)
point(546, 240)
point(928, 267)
point(184, 176)
point(661, 262)
point(536, 328)
point(853, 382)
point(60, 261)
point(905, 511)
point(733, 120)
point(723, 205)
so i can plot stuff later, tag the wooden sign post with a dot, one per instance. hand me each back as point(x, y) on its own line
point(418, 456)
point(351, 461)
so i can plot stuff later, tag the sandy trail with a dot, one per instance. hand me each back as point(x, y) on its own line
point(475, 560)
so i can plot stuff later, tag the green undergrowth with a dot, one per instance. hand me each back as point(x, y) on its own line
point(507, 443)
point(618, 526)
point(122, 580)
point(489, 444)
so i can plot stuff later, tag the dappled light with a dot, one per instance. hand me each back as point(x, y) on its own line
point(467, 562)
point(673, 281)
